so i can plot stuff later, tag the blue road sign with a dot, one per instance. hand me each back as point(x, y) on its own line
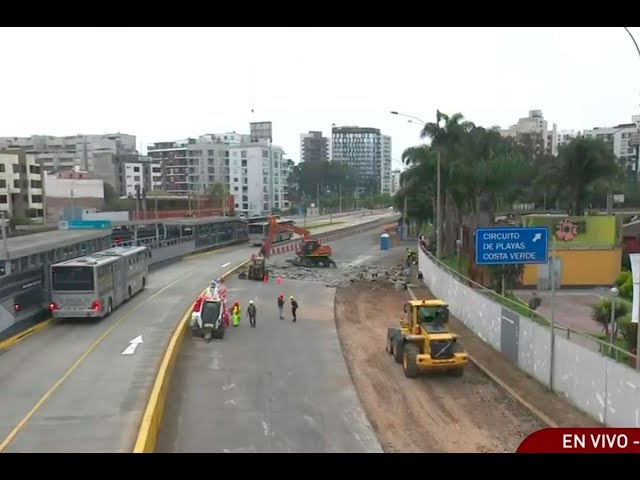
point(513, 245)
point(89, 224)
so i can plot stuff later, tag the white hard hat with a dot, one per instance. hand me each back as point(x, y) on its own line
point(250, 301)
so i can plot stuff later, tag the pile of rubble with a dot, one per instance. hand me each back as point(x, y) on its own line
point(341, 276)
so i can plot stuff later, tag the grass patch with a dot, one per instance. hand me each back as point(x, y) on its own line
point(452, 263)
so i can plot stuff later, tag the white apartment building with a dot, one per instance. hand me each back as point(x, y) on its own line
point(21, 186)
point(565, 136)
point(395, 181)
point(385, 167)
point(255, 173)
point(146, 174)
point(623, 141)
point(536, 126)
point(64, 153)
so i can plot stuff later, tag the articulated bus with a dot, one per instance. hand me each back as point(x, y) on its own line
point(258, 233)
point(94, 285)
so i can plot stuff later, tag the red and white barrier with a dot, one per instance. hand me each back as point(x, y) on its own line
point(328, 237)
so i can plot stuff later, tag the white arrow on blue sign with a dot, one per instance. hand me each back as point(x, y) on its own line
point(512, 245)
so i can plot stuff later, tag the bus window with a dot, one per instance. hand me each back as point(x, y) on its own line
point(66, 279)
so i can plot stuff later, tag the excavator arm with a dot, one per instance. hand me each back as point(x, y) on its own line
point(273, 228)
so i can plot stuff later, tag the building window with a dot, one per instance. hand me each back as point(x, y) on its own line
point(3, 183)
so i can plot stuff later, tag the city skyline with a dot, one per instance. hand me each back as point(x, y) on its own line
point(567, 76)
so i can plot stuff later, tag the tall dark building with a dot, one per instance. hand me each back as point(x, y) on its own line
point(368, 152)
point(314, 147)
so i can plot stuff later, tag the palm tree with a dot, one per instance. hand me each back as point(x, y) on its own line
point(447, 140)
point(582, 162)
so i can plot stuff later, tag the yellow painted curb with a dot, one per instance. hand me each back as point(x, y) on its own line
point(152, 418)
point(18, 337)
point(515, 395)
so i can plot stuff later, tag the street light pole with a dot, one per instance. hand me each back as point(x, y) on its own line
point(438, 189)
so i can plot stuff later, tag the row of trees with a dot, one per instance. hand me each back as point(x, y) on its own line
point(483, 172)
point(336, 185)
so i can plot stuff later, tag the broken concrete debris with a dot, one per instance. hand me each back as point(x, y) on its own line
point(341, 276)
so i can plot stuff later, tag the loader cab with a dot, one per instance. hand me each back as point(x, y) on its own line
point(430, 314)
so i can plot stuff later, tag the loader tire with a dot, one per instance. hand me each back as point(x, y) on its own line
point(410, 360)
point(389, 346)
point(458, 372)
point(398, 349)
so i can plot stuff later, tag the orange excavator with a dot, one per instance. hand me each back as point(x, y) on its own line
point(311, 253)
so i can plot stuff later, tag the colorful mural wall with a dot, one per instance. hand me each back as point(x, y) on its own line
point(587, 249)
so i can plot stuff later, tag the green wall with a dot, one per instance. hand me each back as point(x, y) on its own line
point(592, 230)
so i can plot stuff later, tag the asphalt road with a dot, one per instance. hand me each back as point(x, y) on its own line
point(97, 407)
point(281, 387)
point(68, 388)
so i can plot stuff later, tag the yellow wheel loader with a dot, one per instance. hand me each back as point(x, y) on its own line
point(423, 343)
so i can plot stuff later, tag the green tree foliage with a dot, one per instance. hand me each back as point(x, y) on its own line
point(483, 173)
point(336, 184)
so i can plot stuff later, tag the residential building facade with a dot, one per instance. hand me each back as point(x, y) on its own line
point(385, 166)
point(314, 147)
point(545, 140)
point(64, 153)
point(395, 181)
point(565, 136)
point(623, 141)
point(368, 152)
point(255, 173)
point(21, 192)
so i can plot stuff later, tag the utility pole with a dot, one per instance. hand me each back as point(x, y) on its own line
point(438, 212)
point(5, 240)
point(404, 217)
point(73, 207)
point(318, 196)
point(340, 198)
point(224, 197)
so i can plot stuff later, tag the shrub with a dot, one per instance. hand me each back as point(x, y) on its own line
point(629, 332)
point(626, 289)
point(601, 312)
point(622, 278)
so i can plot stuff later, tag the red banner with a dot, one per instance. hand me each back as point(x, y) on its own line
point(582, 440)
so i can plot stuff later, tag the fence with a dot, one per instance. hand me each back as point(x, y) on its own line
point(601, 386)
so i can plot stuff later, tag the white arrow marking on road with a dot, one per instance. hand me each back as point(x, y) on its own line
point(226, 264)
point(133, 344)
point(536, 237)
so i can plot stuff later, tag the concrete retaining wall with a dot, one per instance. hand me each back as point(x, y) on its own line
point(607, 390)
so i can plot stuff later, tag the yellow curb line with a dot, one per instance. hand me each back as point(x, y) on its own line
point(18, 337)
point(152, 418)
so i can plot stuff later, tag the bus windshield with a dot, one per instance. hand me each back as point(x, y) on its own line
point(72, 278)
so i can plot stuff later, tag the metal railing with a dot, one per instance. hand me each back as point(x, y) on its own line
point(581, 338)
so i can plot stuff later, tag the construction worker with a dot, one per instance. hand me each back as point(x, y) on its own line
point(281, 305)
point(235, 314)
point(294, 308)
point(251, 312)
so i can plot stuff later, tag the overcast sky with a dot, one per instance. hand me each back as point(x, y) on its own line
point(171, 83)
